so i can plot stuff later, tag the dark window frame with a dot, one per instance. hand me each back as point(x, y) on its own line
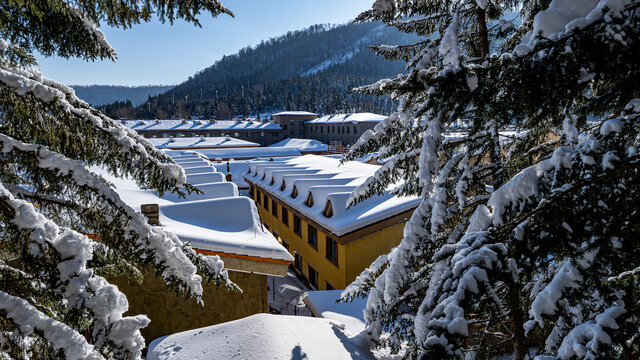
point(313, 280)
point(297, 225)
point(297, 261)
point(274, 208)
point(329, 285)
point(330, 244)
point(285, 216)
point(312, 236)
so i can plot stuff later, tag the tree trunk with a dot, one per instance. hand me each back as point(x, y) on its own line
point(483, 33)
point(516, 322)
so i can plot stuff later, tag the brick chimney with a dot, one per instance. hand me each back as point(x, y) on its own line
point(151, 212)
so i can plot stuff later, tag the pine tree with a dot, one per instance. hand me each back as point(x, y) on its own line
point(54, 299)
point(524, 244)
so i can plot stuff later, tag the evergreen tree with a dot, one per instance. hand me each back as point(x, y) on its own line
point(54, 300)
point(524, 244)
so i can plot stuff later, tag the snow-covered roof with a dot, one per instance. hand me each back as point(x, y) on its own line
point(248, 153)
point(324, 304)
point(200, 142)
point(295, 113)
point(329, 184)
point(263, 336)
point(218, 220)
point(347, 118)
point(198, 125)
point(304, 145)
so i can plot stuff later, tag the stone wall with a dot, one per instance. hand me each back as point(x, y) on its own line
point(170, 313)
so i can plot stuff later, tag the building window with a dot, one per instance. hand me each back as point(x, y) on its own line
point(321, 129)
point(274, 207)
point(333, 129)
point(312, 236)
point(329, 286)
point(313, 277)
point(348, 130)
point(355, 129)
point(266, 226)
point(266, 201)
point(332, 250)
point(251, 190)
point(297, 262)
point(285, 216)
point(258, 197)
point(296, 225)
point(285, 244)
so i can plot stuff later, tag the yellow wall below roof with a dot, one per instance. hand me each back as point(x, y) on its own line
point(353, 257)
point(364, 251)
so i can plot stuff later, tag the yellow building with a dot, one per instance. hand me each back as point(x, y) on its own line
point(302, 202)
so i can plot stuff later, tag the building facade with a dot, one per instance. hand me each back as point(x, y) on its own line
point(293, 122)
point(344, 129)
point(302, 202)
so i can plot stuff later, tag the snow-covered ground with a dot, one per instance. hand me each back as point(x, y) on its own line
point(304, 145)
point(285, 295)
point(264, 336)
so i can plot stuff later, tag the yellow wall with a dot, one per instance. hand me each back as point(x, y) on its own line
point(170, 313)
point(364, 251)
point(353, 257)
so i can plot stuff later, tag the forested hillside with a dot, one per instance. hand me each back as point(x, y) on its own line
point(312, 69)
point(98, 95)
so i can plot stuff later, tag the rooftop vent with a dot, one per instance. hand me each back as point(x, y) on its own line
point(212, 121)
point(283, 186)
point(294, 192)
point(309, 200)
point(328, 209)
point(184, 121)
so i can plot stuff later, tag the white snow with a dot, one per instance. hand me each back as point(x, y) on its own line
point(582, 342)
point(295, 113)
point(563, 16)
point(323, 304)
point(304, 145)
point(248, 153)
point(263, 336)
point(348, 118)
point(327, 181)
point(200, 142)
point(218, 220)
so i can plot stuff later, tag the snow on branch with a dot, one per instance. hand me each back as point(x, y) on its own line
point(164, 248)
point(585, 341)
point(25, 80)
point(61, 336)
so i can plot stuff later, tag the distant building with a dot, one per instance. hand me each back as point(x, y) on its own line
point(302, 201)
point(345, 129)
point(293, 122)
point(201, 143)
point(263, 133)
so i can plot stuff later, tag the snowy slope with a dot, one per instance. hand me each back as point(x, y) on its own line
point(261, 337)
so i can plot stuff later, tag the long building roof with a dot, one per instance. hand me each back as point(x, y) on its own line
point(347, 118)
point(218, 220)
point(200, 143)
point(198, 125)
point(318, 187)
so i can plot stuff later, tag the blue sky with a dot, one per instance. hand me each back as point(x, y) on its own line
point(155, 53)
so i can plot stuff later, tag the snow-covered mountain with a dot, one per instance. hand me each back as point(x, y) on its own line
point(312, 69)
